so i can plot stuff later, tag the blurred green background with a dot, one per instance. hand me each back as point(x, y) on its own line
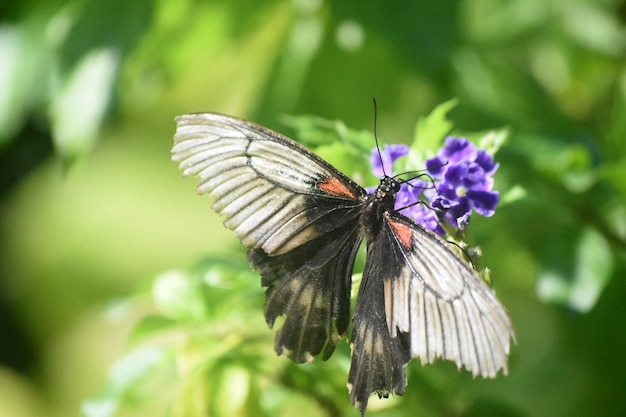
point(92, 209)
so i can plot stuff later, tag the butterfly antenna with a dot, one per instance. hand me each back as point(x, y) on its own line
point(419, 175)
point(380, 156)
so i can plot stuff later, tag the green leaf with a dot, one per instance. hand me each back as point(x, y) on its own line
point(347, 149)
point(313, 131)
point(116, 24)
point(78, 107)
point(99, 407)
point(580, 286)
point(179, 296)
point(25, 60)
point(233, 391)
point(131, 375)
point(593, 270)
point(136, 367)
point(493, 140)
point(570, 164)
point(431, 130)
point(316, 131)
point(152, 325)
point(515, 193)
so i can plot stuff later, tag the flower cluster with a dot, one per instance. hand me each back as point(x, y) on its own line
point(463, 181)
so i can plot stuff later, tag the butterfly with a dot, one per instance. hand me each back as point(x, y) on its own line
point(302, 221)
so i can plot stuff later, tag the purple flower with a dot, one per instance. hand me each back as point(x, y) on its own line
point(463, 182)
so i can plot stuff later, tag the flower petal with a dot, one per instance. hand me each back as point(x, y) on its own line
point(486, 162)
point(484, 202)
point(436, 166)
point(458, 150)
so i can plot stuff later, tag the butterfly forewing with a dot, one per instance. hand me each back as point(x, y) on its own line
point(253, 173)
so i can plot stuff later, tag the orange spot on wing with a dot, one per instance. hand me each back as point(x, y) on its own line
point(403, 233)
point(332, 185)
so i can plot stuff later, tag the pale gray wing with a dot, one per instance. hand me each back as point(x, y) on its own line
point(267, 186)
point(419, 299)
point(444, 306)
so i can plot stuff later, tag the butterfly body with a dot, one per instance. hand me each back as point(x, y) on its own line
point(303, 221)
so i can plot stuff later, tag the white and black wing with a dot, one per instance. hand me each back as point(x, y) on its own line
point(262, 181)
point(302, 221)
point(420, 299)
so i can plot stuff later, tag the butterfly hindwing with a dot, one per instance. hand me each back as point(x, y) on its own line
point(378, 357)
point(443, 304)
point(297, 215)
point(310, 286)
point(433, 305)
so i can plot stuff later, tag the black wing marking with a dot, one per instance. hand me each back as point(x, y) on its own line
point(378, 358)
point(264, 183)
point(297, 215)
point(435, 306)
point(310, 286)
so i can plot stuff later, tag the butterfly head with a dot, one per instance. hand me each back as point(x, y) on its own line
point(387, 190)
